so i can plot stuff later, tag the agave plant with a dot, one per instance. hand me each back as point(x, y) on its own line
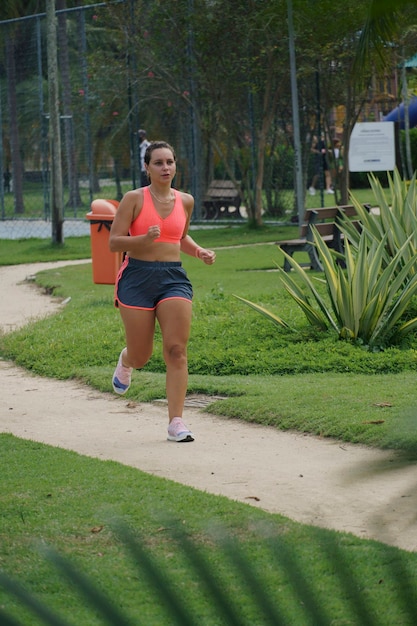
point(367, 299)
point(396, 220)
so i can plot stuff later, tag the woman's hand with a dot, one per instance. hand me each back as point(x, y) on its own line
point(154, 232)
point(207, 256)
point(189, 246)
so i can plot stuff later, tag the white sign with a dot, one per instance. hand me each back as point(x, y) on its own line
point(372, 147)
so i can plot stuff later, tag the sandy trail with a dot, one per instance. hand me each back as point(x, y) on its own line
point(370, 493)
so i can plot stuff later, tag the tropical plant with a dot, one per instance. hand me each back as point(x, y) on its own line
point(367, 299)
point(384, 19)
point(395, 221)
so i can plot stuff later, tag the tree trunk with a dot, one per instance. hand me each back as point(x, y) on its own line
point(351, 117)
point(260, 177)
point(269, 107)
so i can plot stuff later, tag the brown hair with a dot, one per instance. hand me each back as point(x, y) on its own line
point(155, 145)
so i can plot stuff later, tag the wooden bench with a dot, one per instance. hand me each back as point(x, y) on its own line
point(326, 221)
point(220, 196)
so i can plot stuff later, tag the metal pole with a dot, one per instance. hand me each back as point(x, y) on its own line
point(81, 17)
point(195, 179)
point(1, 163)
point(54, 126)
point(299, 188)
point(43, 127)
point(132, 99)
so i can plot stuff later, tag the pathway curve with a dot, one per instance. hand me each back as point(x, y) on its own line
point(368, 492)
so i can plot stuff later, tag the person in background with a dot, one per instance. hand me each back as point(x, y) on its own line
point(143, 144)
point(151, 226)
point(321, 166)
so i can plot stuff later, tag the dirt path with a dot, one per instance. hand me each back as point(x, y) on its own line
point(370, 493)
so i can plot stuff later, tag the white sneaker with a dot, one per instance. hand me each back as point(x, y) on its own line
point(177, 431)
point(329, 191)
point(312, 191)
point(121, 377)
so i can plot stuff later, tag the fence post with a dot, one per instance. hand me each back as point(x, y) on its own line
point(54, 126)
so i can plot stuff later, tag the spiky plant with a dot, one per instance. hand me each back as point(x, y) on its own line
point(366, 300)
point(395, 220)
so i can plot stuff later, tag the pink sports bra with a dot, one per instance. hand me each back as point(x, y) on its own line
point(172, 226)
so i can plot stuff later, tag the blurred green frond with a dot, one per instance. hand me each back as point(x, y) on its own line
point(307, 602)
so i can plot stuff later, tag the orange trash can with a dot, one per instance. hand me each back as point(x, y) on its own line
point(106, 264)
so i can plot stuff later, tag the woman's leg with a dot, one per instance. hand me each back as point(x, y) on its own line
point(328, 181)
point(174, 317)
point(139, 330)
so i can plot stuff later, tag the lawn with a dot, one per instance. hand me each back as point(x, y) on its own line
point(233, 563)
point(233, 351)
point(306, 381)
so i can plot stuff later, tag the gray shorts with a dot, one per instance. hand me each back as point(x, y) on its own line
point(144, 284)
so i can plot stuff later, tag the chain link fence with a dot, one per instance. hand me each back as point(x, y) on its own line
point(98, 123)
point(88, 115)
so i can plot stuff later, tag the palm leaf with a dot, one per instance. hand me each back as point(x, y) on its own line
point(378, 30)
point(37, 607)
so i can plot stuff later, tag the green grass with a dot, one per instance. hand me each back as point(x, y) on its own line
point(304, 381)
point(34, 201)
point(16, 252)
point(234, 352)
point(362, 195)
point(35, 250)
point(72, 502)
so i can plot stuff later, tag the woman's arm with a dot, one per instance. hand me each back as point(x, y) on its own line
point(189, 246)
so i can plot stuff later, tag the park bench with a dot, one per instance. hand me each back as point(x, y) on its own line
point(326, 220)
point(219, 197)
